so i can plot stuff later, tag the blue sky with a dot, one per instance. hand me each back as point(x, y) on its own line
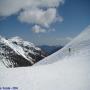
point(74, 17)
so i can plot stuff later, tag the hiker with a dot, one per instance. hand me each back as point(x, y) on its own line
point(69, 50)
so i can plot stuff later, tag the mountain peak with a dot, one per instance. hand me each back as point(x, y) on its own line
point(16, 52)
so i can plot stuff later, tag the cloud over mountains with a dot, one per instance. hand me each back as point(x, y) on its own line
point(38, 16)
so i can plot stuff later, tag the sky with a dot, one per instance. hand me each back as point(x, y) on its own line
point(44, 22)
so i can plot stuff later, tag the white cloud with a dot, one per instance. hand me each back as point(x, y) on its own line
point(32, 12)
point(37, 29)
point(38, 16)
point(10, 7)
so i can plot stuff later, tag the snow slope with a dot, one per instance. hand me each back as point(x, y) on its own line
point(71, 72)
point(80, 42)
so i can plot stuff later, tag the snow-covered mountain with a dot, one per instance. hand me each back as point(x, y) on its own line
point(16, 52)
point(71, 70)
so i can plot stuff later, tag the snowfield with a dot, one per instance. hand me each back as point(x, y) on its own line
point(63, 70)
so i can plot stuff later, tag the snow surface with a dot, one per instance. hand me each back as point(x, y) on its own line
point(25, 43)
point(20, 41)
point(70, 72)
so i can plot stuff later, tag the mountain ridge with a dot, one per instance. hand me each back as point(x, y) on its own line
point(20, 52)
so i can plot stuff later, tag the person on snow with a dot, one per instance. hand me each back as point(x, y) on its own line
point(69, 50)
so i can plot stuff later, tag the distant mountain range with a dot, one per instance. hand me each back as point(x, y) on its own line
point(50, 49)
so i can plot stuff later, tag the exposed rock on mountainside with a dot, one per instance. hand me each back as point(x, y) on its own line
point(16, 52)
